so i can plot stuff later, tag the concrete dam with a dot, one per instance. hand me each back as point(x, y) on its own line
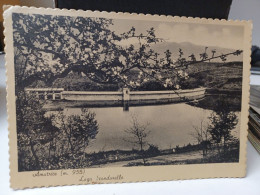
point(124, 98)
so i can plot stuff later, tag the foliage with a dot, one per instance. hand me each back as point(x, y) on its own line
point(51, 142)
point(50, 47)
point(151, 86)
point(34, 132)
point(78, 130)
point(202, 135)
point(218, 132)
point(222, 123)
point(138, 135)
point(153, 150)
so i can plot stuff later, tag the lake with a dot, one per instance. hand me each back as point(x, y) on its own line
point(169, 125)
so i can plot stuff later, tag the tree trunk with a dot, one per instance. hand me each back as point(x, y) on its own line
point(37, 162)
point(218, 148)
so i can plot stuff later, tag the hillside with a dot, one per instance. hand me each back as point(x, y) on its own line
point(224, 76)
point(215, 75)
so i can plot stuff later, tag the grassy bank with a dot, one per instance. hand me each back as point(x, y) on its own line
point(165, 157)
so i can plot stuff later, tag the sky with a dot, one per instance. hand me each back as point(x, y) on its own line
point(200, 34)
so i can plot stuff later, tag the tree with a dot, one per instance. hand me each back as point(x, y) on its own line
point(202, 135)
point(223, 121)
point(51, 141)
point(50, 47)
point(78, 130)
point(138, 135)
point(35, 133)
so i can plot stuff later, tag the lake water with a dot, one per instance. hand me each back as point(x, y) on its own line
point(169, 125)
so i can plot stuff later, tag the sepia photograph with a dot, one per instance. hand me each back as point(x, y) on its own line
point(96, 92)
point(109, 92)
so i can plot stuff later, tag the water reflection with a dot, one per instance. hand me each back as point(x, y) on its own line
point(170, 125)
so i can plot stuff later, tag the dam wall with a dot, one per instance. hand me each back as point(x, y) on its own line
point(116, 96)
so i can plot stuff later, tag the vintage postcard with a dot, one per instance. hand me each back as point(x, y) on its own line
point(97, 97)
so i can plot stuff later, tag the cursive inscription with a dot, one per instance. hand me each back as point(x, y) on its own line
point(45, 174)
point(109, 177)
point(80, 174)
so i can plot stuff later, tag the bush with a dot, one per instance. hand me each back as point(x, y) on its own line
point(151, 86)
point(152, 150)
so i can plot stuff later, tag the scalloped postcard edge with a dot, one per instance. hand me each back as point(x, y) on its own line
point(22, 180)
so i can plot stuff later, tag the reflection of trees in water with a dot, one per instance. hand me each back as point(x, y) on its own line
point(54, 142)
point(211, 102)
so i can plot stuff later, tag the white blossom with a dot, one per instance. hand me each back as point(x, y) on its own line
point(132, 83)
